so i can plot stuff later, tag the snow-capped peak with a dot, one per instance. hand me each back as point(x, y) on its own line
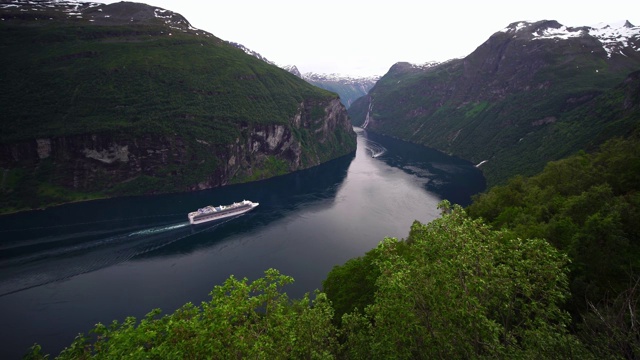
point(311, 76)
point(614, 37)
point(617, 36)
point(98, 13)
point(292, 69)
point(70, 7)
point(426, 65)
point(516, 27)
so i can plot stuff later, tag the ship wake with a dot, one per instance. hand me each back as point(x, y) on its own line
point(34, 262)
point(374, 149)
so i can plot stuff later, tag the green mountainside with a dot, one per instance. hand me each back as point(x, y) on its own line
point(120, 99)
point(532, 93)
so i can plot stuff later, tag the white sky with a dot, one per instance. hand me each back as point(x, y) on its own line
point(361, 38)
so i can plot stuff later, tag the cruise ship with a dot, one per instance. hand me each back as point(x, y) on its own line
point(211, 213)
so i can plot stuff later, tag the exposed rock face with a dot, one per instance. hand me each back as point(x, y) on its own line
point(43, 148)
point(114, 153)
point(93, 162)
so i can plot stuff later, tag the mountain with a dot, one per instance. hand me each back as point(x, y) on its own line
point(123, 99)
point(518, 101)
point(250, 52)
point(293, 69)
point(347, 87)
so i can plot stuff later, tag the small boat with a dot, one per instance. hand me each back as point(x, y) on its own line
point(211, 213)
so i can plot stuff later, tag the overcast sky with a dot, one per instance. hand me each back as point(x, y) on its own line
point(364, 38)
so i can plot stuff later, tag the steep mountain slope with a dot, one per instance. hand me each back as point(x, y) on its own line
point(251, 52)
point(349, 88)
point(106, 100)
point(293, 69)
point(503, 102)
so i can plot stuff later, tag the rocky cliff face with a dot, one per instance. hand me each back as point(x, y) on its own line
point(331, 130)
point(118, 164)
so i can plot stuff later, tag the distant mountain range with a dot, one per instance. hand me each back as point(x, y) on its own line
point(349, 88)
point(533, 92)
point(123, 99)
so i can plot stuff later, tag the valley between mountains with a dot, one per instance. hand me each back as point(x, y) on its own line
point(109, 101)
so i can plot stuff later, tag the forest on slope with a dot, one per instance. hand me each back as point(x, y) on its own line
point(542, 267)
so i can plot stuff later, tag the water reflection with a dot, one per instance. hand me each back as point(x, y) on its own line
point(37, 255)
point(452, 178)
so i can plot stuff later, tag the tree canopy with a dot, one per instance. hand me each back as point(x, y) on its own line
point(458, 289)
point(242, 320)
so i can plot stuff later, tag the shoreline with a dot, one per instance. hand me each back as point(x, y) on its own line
point(45, 207)
point(42, 208)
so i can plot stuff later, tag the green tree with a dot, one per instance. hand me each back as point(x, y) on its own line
point(242, 320)
point(352, 285)
point(464, 291)
point(587, 206)
point(611, 328)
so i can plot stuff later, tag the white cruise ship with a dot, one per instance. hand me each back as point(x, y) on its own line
point(211, 213)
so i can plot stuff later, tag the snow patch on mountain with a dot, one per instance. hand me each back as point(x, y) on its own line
point(345, 79)
point(71, 7)
point(426, 65)
point(349, 88)
point(614, 37)
point(562, 32)
point(250, 52)
point(99, 13)
point(292, 69)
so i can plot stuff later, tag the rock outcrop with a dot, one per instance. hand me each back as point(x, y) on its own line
point(111, 163)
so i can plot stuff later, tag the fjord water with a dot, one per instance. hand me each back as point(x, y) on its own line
point(64, 269)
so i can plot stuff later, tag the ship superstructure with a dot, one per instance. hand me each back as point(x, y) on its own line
point(211, 213)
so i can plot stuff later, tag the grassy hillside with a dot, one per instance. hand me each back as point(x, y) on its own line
point(67, 79)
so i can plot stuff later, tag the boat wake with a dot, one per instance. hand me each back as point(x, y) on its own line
point(374, 149)
point(35, 262)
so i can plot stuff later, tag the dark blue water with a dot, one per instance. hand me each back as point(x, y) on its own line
point(64, 269)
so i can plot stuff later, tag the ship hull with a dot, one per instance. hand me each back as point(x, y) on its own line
point(210, 214)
